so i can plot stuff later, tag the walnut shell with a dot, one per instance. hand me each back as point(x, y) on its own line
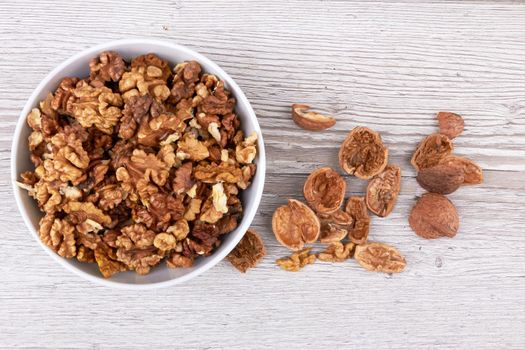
point(356, 208)
point(324, 190)
point(335, 226)
point(450, 124)
point(443, 179)
point(434, 216)
point(363, 153)
point(472, 173)
point(382, 191)
point(295, 224)
point(379, 257)
point(431, 151)
point(310, 120)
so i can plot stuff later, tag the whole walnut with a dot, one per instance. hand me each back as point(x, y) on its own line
point(441, 178)
point(434, 216)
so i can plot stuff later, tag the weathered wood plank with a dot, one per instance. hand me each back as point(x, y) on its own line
point(389, 66)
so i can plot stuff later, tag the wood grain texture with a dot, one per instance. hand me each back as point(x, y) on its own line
point(389, 66)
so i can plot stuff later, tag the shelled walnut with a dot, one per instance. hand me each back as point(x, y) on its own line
point(138, 162)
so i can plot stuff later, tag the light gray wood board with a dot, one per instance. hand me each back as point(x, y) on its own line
point(389, 66)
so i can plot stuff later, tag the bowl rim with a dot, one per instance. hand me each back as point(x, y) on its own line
point(239, 95)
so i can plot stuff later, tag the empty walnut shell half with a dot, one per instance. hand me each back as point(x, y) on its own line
point(379, 257)
point(363, 153)
point(324, 190)
point(335, 226)
point(472, 173)
point(443, 179)
point(431, 151)
point(310, 120)
point(434, 216)
point(295, 224)
point(382, 191)
point(450, 124)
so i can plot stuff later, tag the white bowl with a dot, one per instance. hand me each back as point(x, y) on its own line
point(78, 66)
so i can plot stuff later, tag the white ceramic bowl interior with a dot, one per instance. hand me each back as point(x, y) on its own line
point(77, 66)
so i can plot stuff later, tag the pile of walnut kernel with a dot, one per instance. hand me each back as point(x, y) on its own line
point(138, 162)
point(322, 218)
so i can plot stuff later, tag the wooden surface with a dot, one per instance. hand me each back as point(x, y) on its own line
point(389, 66)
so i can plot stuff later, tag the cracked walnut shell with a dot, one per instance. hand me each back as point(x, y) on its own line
point(431, 151)
point(357, 209)
point(335, 226)
point(363, 153)
point(324, 190)
point(450, 124)
point(379, 257)
point(310, 120)
point(382, 191)
point(295, 224)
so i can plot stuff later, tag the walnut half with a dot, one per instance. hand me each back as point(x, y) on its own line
point(310, 120)
point(295, 224)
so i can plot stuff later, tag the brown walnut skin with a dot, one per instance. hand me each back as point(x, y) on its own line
point(434, 216)
point(312, 121)
point(472, 173)
point(363, 153)
point(431, 151)
point(382, 191)
point(442, 179)
point(295, 224)
point(324, 190)
point(450, 124)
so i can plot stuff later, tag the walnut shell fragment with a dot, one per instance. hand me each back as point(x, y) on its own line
point(295, 224)
point(434, 216)
point(335, 226)
point(363, 153)
point(379, 257)
point(324, 190)
point(248, 252)
point(450, 124)
point(297, 260)
point(356, 208)
point(443, 179)
point(382, 191)
point(431, 151)
point(310, 120)
point(472, 173)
